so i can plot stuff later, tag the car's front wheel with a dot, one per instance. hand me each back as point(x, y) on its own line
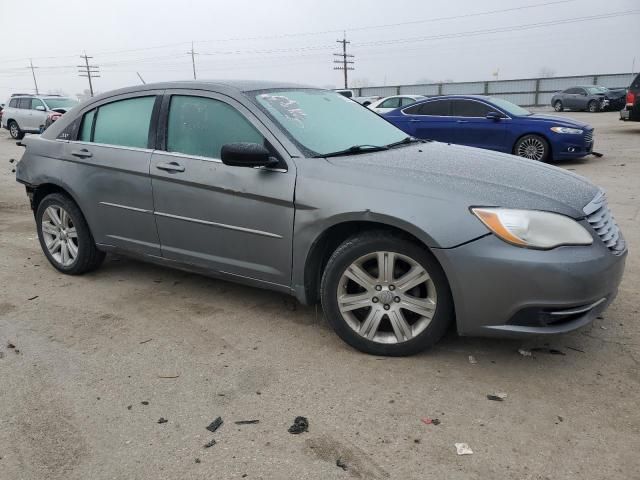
point(14, 130)
point(557, 106)
point(65, 237)
point(386, 295)
point(533, 147)
point(593, 106)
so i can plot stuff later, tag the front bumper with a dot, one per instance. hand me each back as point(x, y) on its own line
point(630, 113)
point(567, 146)
point(506, 291)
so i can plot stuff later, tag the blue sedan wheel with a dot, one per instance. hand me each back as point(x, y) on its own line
point(533, 147)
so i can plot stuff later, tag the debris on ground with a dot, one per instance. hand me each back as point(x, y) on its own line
point(576, 349)
point(162, 420)
point(561, 419)
point(472, 360)
point(215, 425)
point(33, 298)
point(1, 354)
point(524, 353)
point(146, 341)
point(144, 402)
point(551, 351)
point(168, 376)
point(10, 345)
point(430, 421)
point(300, 424)
point(497, 397)
point(210, 444)
point(129, 407)
point(197, 460)
point(463, 449)
point(246, 422)
point(341, 464)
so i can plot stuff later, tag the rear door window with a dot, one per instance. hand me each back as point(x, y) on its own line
point(390, 103)
point(13, 103)
point(438, 108)
point(404, 101)
point(24, 103)
point(123, 122)
point(470, 108)
point(201, 126)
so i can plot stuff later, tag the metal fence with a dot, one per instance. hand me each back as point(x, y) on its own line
point(528, 92)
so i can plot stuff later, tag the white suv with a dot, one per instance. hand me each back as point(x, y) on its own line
point(33, 113)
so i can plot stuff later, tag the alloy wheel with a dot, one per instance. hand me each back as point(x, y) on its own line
point(13, 129)
point(387, 297)
point(60, 235)
point(531, 148)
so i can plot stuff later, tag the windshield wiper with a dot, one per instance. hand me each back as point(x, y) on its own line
point(354, 150)
point(405, 141)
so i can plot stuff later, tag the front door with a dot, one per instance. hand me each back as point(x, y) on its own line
point(234, 220)
point(111, 155)
point(474, 129)
point(37, 118)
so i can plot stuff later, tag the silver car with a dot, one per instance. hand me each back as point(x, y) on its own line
point(33, 113)
point(305, 192)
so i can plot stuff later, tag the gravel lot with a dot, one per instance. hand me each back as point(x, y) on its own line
point(92, 348)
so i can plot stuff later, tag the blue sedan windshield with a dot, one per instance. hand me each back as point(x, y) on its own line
point(321, 122)
point(510, 108)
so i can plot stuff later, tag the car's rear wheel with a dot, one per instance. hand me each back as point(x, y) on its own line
point(386, 295)
point(533, 147)
point(65, 237)
point(557, 106)
point(593, 106)
point(14, 130)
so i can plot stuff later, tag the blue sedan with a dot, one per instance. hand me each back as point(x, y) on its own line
point(494, 124)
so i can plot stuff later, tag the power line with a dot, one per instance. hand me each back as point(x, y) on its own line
point(89, 71)
point(346, 62)
point(33, 72)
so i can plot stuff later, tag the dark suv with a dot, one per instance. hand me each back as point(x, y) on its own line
point(632, 109)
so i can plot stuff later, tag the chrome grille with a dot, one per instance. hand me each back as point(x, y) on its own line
point(600, 218)
point(588, 136)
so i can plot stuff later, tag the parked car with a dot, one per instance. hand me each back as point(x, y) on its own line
point(387, 104)
point(1, 108)
point(631, 110)
point(33, 113)
point(592, 98)
point(302, 191)
point(495, 124)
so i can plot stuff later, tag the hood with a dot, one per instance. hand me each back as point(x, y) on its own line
point(467, 176)
point(557, 120)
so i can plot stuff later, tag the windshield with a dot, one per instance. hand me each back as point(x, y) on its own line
point(510, 108)
point(596, 90)
point(321, 122)
point(60, 102)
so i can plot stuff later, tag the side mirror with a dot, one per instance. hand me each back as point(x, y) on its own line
point(247, 155)
point(40, 108)
point(494, 116)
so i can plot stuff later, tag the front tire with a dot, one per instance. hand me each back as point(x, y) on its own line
point(593, 106)
point(557, 106)
point(14, 130)
point(385, 295)
point(65, 237)
point(533, 147)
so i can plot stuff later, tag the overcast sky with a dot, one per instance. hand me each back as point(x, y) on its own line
point(394, 42)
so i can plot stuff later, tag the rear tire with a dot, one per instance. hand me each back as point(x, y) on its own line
point(14, 130)
point(65, 237)
point(593, 106)
point(401, 312)
point(533, 147)
point(557, 106)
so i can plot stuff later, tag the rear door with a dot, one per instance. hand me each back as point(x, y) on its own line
point(571, 98)
point(23, 113)
point(234, 220)
point(474, 129)
point(430, 120)
point(110, 158)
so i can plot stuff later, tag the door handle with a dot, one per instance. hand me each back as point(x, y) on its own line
point(83, 153)
point(462, 121)
point(413, 120)
point(170, 167)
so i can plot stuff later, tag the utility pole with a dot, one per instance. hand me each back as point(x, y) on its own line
point(33, 72)
point(345, 62)
point(193, 60)
point(141, 79)
point(89, 71)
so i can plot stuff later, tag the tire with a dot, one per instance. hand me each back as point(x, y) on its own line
point(69, 222)
point(533, 147)
point(14, 130)
point(409, 332)
point(593, 106)
point(557, 106)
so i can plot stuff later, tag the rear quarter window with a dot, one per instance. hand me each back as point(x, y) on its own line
point(13, 103)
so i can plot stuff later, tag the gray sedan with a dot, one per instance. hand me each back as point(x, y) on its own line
point(305, 192)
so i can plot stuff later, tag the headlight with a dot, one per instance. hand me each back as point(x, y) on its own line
point(575, 131)
point(532, 228)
